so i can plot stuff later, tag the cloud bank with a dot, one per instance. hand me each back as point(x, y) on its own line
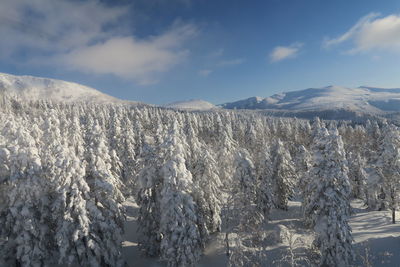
point(371, 33)
point(88, 36)
point(129, 57)
point(280, 53)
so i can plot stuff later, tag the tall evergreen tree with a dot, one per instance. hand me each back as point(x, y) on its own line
point(148, 198)
point(242, 215)
point(181, 243)
point(283, 175)
point(389, 167)
point(328, 208)
point(207, 194)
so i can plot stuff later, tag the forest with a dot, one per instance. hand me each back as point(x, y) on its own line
point(67, 169)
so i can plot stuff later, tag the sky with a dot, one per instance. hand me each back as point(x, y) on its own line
point(161, 51)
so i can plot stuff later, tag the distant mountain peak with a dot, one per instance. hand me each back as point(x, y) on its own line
point(192, 104)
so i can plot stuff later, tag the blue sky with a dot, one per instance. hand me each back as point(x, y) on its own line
point(160, 51)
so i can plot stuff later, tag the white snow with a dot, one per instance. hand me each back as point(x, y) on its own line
point(33, 88)
point(374, 230)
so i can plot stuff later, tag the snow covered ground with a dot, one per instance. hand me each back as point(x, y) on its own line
point(371, 230)
point(374, 230)
point(130, 249)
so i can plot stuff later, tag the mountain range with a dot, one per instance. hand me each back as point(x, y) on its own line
point(361, 99)
point(331, 102)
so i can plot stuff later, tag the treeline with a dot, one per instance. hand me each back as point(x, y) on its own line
point(66, 169)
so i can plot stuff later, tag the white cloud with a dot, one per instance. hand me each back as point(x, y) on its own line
point(231, 62)
point(204, 72)
point(280, 53)
point(55, 25)
point(371, 33)
point(88, 36)
point(131, 58)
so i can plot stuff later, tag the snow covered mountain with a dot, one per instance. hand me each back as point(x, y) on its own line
point(194, 104)
point(362, 99)
point(32, 88)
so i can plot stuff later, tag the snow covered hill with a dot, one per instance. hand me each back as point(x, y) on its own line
point(194, 104)
point(32, 88)
point(363, 99)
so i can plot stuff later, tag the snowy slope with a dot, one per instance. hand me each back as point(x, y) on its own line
point(32, 88)
point(194, 104)
point(371, 230)
point(364, 99)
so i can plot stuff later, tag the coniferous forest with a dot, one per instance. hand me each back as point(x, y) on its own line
point(66, 171)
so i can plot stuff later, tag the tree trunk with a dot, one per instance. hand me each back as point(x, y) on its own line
point(393, 215)
point(228, 252)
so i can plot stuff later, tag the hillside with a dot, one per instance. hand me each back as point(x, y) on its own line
point(33, 88)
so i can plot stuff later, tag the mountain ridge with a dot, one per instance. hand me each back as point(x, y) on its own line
point(368, 99)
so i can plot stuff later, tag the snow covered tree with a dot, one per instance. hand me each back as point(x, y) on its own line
point(328, 207)
point(357, 175)
point(148, 198)
point(181, 243)
point(389, 167)
point(64, 169)
point(242, 215)
point(225, 151)
point(207, 194)
point(105, 211)
point(303, 162)
point(128, 155)
point(70, 214)
point(264, 199)
point(26, 234)
point(283, 175)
